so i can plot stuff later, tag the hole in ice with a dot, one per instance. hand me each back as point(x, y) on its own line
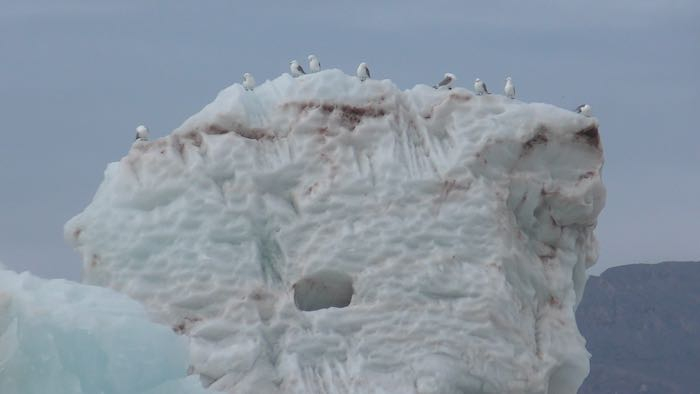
point(323, 289)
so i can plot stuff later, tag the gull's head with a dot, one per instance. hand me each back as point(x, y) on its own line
point(312, 57)
point(507, 78)
point(477, 80)
point(142, 132)
point(450, 75)
point(292, 61)
point(363, 65)
point(246, 75)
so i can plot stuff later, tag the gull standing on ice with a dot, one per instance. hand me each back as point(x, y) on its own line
point(363, 71)
point(248, 81)
point(141, 133)
point(296, 69)
point(480, 87)
point(584, 109)
point(509, 89)
point(314, 64)
point(446, 81)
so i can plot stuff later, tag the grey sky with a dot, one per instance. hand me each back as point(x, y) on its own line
point(76, 77)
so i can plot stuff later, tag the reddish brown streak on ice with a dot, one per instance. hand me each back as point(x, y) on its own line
point(540, 137)
point(460, 97)
point(350, 115)
point(590, 136)
point(185, 325)
point(76, 233)
point(252, 133)
point(447, 187)
point(195, 137)
point(553, 301)
point(215, 129)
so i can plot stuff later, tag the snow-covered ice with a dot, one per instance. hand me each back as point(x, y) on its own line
point(61, 337)
point(456, 228)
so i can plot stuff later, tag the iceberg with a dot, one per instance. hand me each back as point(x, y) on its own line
point(58, 337)
point(326, 235)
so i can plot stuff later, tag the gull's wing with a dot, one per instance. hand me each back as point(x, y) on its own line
point(301, 70)
point(444, 81)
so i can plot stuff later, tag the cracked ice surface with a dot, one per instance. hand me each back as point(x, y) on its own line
point(458, 227)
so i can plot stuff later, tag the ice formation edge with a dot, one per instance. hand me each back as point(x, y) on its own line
point(325, 235)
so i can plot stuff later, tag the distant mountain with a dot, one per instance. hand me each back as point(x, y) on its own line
point(642, 326)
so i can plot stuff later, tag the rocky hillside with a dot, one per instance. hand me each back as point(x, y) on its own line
point(642, 326)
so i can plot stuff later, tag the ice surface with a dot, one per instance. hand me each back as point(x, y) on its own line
point(460, 227)
point(61, 337)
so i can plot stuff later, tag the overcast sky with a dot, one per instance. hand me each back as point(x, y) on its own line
point(76, 77)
